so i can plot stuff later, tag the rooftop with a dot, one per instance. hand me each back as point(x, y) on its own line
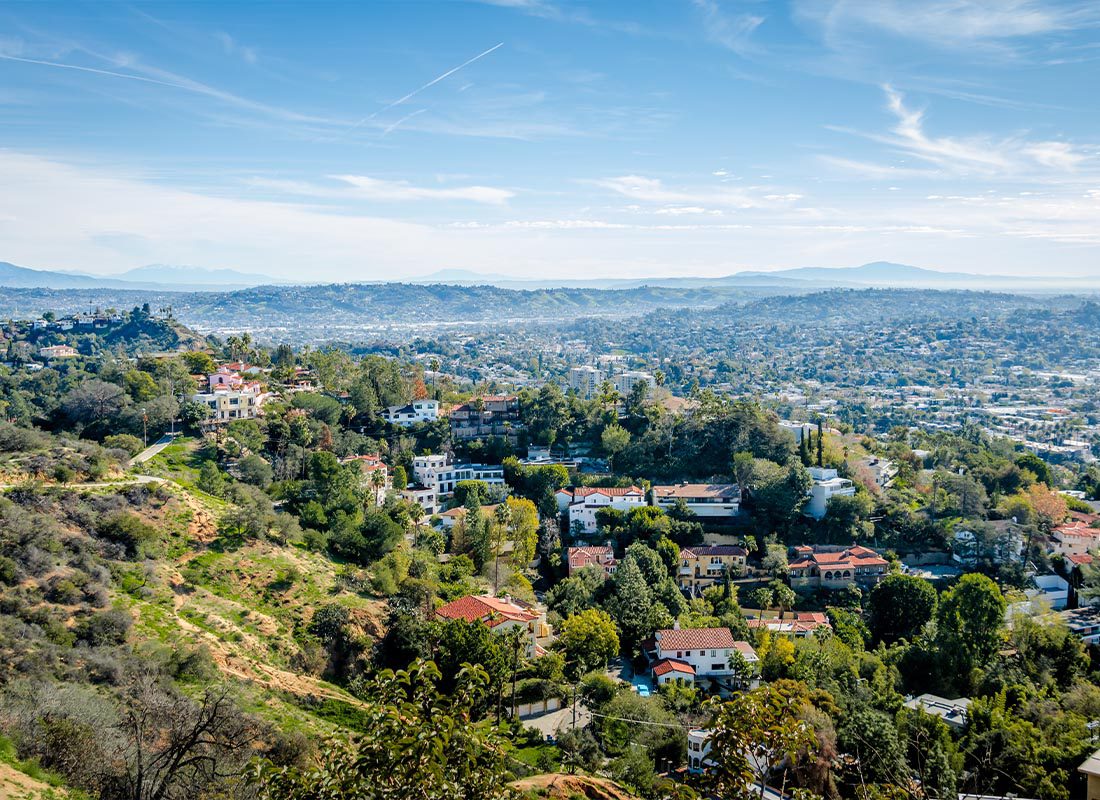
point(695, 639)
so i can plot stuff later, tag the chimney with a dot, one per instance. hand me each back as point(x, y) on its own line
point(676, 625)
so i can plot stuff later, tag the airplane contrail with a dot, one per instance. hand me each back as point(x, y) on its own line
point(430, 83)
point(61, 65)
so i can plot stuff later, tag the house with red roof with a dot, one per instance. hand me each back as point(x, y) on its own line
point(833, 567)
point(501, 615)
point(799, 625)
point(1075, 538)
point(582, 502)
point(696, 655)
point(602, 556)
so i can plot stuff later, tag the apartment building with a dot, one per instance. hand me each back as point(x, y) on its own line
point(438, 472)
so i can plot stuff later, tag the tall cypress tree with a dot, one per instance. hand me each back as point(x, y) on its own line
point(820, 444)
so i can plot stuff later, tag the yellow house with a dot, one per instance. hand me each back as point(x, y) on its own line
point(701, 567)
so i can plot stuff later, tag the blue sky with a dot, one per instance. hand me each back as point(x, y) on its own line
point(381, 140)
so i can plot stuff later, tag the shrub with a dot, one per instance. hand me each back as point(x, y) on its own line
point(129, 531)
point(124, 441)
point(105, 628)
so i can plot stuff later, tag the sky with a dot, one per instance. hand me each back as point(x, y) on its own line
point(538, 139)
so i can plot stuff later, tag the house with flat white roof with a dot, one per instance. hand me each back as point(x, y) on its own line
point(710, 500)
point(412, 413)
point(826, 484)
point(438, 472)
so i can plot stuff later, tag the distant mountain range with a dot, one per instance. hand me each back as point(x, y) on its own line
point(153, 276)
point(878, 274)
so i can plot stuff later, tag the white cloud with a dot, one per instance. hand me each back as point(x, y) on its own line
point(961, 155)
point(953, 24)
point(234, 48)
point(731, 29)
point(377, 189)
point(652, 190)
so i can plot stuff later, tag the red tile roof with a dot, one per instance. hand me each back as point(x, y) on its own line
point(856, 556)
point(664, 666)
point(609, 491)
point(694, 639)
point(490, 610)
point(1080, 558)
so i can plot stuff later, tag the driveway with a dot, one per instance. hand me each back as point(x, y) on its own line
point(561, 720)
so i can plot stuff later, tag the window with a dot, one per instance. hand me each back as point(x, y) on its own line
point(717, 667)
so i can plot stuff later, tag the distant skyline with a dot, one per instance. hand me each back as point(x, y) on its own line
point(375, 141)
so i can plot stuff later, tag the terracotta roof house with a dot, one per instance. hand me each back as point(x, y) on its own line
point(582, 503)
point(830, 567)
point(706, 651)
point(602, 556)
point(500, 615)
point(799, 626)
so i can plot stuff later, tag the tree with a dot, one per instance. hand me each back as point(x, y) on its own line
point(630, 602)
point(400, 479)
point(588, 640)
point(465, 489)
point(614, 440)
point(199, 362)
point(255, 470)
point(762, 598)
point(775, 560)
point(419, 737)
point(783, 595)
point(901, 605)
point(1049, 506)
point(969, 622)
point(755, 733)
point(523, 521)
point(930, 752)
point(502, 520)
point(169, 745)
point(744, 466)
point(94, 400)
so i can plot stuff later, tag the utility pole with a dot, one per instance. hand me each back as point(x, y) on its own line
point(145, 427)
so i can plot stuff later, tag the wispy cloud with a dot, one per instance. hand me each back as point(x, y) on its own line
point(144, 73)
point(989, 25)
point(376, 189)
point(652, 190)
point(731, 29)
point(1013, 157)
point(234, 48)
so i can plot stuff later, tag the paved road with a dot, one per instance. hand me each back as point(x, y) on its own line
point(152, 449)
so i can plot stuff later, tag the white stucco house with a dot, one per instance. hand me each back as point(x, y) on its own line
point(582, 503)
